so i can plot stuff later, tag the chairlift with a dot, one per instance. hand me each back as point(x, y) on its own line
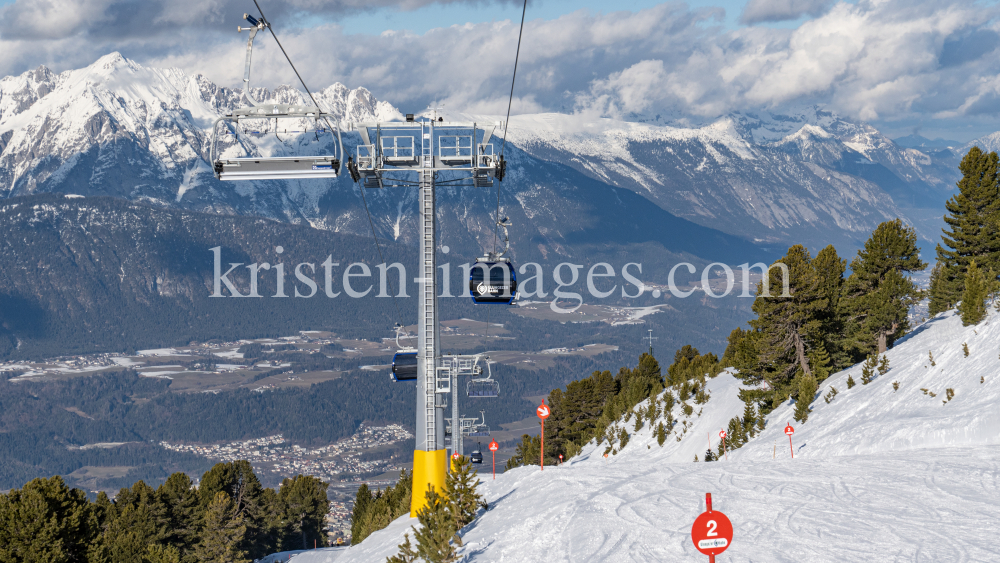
point(480, 428)
point(493, 278)
point(252, 167)
point(483, 387)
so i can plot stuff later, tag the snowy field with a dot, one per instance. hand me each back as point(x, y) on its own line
point(879, 475)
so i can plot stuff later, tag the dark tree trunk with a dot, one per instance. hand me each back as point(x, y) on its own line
point(800, 353)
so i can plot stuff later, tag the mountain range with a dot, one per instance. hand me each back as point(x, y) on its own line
point(808, 176)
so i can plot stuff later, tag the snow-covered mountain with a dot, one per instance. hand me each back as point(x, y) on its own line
point(119, 128)
point(879, 474)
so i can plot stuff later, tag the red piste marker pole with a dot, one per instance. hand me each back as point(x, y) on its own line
point(543, 413)
point(493, 448)
point(789, 431)
point(722, 434)
point(712, 532)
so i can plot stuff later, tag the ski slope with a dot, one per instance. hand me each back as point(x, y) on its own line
point(879, 475)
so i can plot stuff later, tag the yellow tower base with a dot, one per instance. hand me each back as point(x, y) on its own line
point(428, 471)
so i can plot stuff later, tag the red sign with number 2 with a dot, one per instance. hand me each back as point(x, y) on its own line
point(712, 532)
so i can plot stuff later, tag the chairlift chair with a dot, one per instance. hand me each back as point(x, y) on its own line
point(480, 428)
point(483, 387)
point(493, 278)
point(252, 167)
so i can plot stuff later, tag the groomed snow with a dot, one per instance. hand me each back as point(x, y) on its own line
point(879, 475)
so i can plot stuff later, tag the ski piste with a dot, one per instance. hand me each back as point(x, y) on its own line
point(879, 475)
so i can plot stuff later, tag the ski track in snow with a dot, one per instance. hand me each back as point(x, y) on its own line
point(879, 475)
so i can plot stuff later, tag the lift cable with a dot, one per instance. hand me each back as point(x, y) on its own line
point(299, 76)
point(510, 102)
point(371, 223)
point(506, 124)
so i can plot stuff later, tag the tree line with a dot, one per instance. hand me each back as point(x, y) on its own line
point(227, 518)
point(827, 320)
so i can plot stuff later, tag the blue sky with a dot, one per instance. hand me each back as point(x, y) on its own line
point(927, 66)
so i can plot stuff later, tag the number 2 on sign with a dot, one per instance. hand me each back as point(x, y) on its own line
point(711, 529)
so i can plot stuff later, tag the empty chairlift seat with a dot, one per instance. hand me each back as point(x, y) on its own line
point(483, 388)
point(404, 366)
point(277, 167)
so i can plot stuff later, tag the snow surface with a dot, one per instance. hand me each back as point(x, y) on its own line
point(878, 475)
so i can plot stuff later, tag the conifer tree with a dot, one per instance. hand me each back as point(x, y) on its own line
point(407, 554)
point(180, 502)
point(437, 530)
point(829, 268)
point(45, 521)
point(363, 502)
point(222, 533)
point(460, 488)
point(807, 391)
point(237, 479)
point(973, 306)
point(305, 502)
point(972, 229)
point(661, 434)
point(868, 370)
point(788, 327)
point(877, 296)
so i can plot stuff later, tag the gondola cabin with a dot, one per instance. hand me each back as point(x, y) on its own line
point(476, 457)
point(493, 282)
point(404, 366)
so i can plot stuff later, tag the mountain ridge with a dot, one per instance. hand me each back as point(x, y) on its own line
point(119, 128)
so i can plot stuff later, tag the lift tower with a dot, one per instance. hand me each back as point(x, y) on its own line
point(422, 153)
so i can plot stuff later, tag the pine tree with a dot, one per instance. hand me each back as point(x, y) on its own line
point(180, 501)
point(45, 521)
point(437, 531)
point(709, 455)
point(363, 502)
point(460, 489)
point(877, 296)
point(406, 552)
point(883, 365)
point(237, 479)
point(661, 434)
point(749, 418)
point(850, 381)
point(939, 298)
point(829, 268)
point(222, 533)
point(973, 306)
point(306, 504)
point(868, 370)
point(973, 230)
point(788, 327)
point(807, 392)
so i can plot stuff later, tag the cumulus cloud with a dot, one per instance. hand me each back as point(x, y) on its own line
point(873, 60)
point(144, 19)
point(757, 11)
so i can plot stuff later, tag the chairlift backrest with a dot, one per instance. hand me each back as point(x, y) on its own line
point(255, 167)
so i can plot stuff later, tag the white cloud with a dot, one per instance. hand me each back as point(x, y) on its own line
point(757, 11)
point(875, 60)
